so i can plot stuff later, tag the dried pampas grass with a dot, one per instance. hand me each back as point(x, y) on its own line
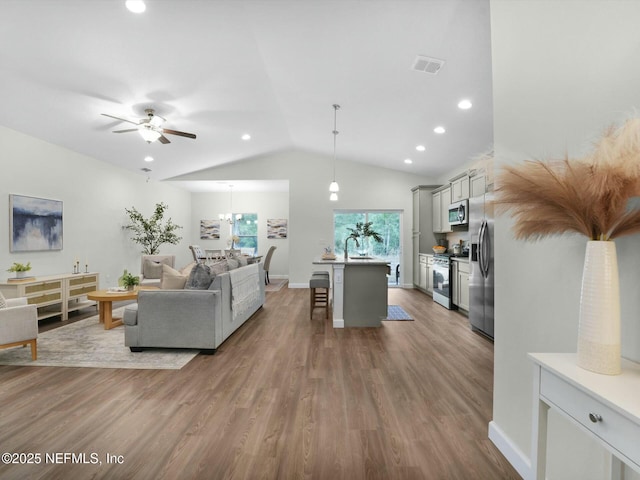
point(588, 196)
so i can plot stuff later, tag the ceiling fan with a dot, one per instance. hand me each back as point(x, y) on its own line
point(150, 128)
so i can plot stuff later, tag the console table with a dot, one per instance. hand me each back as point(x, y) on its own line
point(607, 407)
point(54, 294)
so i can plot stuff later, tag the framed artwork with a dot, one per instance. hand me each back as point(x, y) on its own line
point(209, 229)
point(35, 224)
point(277, 228)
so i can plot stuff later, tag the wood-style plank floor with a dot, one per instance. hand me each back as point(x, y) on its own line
point(284, 398)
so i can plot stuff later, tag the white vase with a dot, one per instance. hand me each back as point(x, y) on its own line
point(599, 324)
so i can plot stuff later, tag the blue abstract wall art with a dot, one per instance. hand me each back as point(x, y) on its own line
point(35, 224)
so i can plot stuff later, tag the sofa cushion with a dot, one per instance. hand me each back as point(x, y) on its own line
point(200, 278)
point(232, 263)
point(152, 269)
point(243, 261)
point(219, 267)
point(186, 270)
point(172, 279)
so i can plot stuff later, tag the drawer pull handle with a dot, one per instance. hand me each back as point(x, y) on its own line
point(595, 418)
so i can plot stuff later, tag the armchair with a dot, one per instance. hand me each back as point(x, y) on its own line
point(19, 325)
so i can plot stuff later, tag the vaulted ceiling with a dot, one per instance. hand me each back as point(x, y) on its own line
point(272, 69)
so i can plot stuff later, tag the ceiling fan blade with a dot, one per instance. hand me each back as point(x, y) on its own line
point(118, 118)
point(125, 131)
point(176, 132)
point(163, 139)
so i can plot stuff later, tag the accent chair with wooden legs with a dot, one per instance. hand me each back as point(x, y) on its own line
point(19, 325)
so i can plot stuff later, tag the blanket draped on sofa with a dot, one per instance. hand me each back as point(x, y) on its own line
point(245, 288)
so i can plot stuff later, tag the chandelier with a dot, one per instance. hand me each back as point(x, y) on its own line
point(230, 217)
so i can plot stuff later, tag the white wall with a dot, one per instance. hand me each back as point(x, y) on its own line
point(266, 204)
point(562, 72)
point(94, 195)
point(311, 212)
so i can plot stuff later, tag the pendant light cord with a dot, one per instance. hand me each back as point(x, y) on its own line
point(335, 135)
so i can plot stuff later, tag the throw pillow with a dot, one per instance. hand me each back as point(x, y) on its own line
point(172, 279)
point(187, 269)
point(200, 278)
point(3, 303)
point(219, 267)
point(243, 261)
point(232, 263)
point(152, 269)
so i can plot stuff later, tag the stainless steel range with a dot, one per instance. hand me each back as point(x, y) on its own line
point(442, 280)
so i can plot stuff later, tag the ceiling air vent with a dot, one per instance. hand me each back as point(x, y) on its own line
point(427, 64)
point(145, 169)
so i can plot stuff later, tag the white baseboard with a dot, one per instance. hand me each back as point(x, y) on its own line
point(298, 285)
point(511, 452)
point(338, 323)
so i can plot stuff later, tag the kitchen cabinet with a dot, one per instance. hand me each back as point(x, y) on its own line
point(422, 278)
point(441, 202)
point(460, 291)
point(422, 221)
point(430, 274)
point(460, 189)
point(477, 185)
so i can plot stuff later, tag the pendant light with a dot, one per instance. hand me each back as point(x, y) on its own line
point(334, 188)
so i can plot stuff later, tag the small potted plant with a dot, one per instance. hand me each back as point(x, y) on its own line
point(128, 280)
point(20, 269)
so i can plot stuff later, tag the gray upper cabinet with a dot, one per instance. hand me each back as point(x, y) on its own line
point(478, 185)
point(440, 206)
point(460, 189)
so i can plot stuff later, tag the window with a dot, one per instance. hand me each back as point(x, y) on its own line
point(246, 229)
point(386, 223)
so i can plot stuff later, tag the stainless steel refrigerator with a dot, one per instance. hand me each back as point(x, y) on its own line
point(481, 281)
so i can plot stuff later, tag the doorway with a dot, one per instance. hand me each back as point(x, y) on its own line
point(386, 222)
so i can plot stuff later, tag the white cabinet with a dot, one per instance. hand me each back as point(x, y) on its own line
point(430, 274)
point(54, 295)
point(605, 407)
point(478, 186)
point(422, 282)
point(460, 189)
point(441, 202)
point(422, 233)
point(460, 289)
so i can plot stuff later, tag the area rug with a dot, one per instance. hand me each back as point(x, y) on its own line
point(275, 285)
point(395, 312)
point(86, 343)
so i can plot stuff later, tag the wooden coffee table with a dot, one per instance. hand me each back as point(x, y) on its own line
point(105, 299)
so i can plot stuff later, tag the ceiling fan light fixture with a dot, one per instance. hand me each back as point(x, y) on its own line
point(135, 6)
point(148, 134)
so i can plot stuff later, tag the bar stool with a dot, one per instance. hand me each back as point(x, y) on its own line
point(319, 299)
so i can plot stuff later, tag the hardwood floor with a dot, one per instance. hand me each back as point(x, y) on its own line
point(284, 397)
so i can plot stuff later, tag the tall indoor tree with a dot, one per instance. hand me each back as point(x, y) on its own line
point(153, 231)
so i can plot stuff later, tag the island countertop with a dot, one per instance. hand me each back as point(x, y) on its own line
point(351, 261)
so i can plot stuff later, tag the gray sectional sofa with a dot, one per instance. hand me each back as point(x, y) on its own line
point(198, 319)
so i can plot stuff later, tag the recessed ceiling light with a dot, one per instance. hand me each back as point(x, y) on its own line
point(148, 159)
point(408, 161)
point(246, 136)
point(465, 104)
point(421, 148)
point(439, 129)
point(135, 6)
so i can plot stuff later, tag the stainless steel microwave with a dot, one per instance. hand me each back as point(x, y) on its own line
point(459, 213)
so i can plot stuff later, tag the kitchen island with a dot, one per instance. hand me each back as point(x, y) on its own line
point(359, 291)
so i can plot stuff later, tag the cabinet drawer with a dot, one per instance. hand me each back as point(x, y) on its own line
point(463, 267)
point(83, 290)
point(45, 298)
point(614, 428)
point(83, 280)
point(43, 287)
point(423, 259)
